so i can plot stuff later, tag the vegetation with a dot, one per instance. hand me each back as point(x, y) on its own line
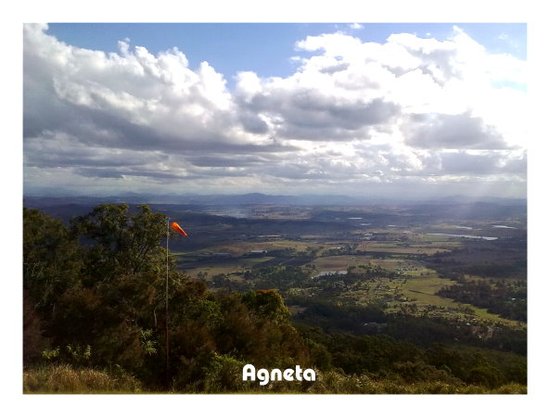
point(509, 299)
point(64, 378)
point(94, 320)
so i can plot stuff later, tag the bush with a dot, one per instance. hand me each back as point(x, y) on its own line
point(224, 374)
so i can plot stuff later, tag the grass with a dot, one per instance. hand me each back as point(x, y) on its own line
point(395, 248)
point(241, 248)
point(229, 267)
point(339, 262)
point(334, 382)
point(64, 379)
point(61, 379)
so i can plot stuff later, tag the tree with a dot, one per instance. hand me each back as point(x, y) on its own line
point(121, 243)
point(99, 285)
point(51, 260)
point(34, 341)
point(267, 304)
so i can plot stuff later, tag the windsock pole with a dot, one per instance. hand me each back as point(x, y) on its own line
point(182, 232)
point(166, 305)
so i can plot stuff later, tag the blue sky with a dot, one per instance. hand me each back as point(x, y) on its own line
point(407, 110)
point(265, 48)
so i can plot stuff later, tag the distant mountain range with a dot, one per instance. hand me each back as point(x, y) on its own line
point(195, 199)
point(249, 199)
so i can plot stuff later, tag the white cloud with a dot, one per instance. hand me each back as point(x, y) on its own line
point(354, 113)
point(460, 131)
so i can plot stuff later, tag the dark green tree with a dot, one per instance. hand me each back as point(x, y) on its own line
point(119, 242)
point(111, 297)
point(51, 260)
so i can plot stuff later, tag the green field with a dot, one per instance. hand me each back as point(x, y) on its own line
point(227, 268)
point(342, 262)
point(240, 248)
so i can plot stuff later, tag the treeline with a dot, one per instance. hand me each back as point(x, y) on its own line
point(94, 297)
point(384, 357)
point(504, 258)
point(509, 299)
point(422, 331)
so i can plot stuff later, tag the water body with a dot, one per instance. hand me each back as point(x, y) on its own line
point(464, 236)
point(500, 226)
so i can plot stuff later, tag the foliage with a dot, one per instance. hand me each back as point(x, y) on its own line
point(383, 357)
point(267, 303)
point(332, 317)
point(95, 321)
point(223, 373)
point(51, 260)
point(118, 242)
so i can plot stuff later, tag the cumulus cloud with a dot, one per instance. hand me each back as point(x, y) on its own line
point(353, 114)
point(159, 92)
point(454, 131)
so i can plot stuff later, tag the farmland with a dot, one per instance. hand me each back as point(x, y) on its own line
point(417, 255)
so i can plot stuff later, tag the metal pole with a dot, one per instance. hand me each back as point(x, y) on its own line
point(166, 306)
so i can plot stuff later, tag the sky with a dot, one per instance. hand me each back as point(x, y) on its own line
point(361, 109)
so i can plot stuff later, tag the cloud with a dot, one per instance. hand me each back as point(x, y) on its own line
point(484, 163)
point(353, 114)
point(130, 89)
point(452, 131)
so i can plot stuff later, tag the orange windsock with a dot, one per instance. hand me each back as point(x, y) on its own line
point(177, 228)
